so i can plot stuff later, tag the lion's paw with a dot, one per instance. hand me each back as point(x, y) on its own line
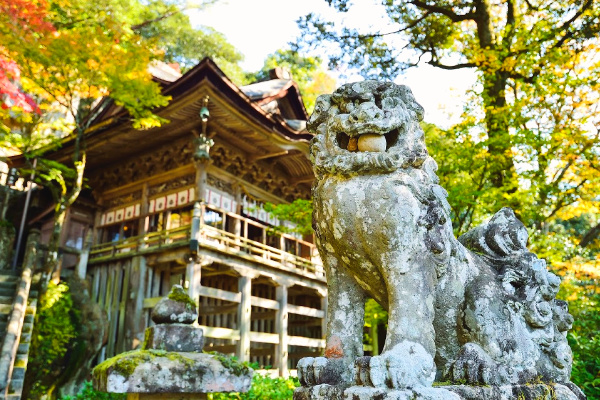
point(319, 370)
point(473, 365)
point(405, 366)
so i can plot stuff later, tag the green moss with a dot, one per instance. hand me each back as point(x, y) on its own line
point(125, 363)
point(146, 339)
point(178, 294)
point(231, 363)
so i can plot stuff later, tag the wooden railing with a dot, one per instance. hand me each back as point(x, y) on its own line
point(149, 242)
point(302, 255)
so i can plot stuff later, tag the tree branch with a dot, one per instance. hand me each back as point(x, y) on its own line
point(154, 20)
point(444, 11)
point(409, 26)
point(590, 236)
point(450, 67)
point(568, 24)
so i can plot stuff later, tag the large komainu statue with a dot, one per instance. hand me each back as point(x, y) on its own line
point(477, 310)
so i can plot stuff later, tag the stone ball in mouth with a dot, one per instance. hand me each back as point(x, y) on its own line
point(372, 142)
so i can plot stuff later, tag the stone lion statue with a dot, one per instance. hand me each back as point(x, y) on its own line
point(480, 309)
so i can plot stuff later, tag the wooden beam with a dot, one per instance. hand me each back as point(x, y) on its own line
point(302, 179)
point(254, 157)
point(220, 333)
point(211, 310)
point(219, 294)
point(264, 303)
point(306, 342)
point(307, 311)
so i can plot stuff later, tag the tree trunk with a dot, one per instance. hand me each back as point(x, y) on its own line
point(52, 263)
point(590, 236)
point(499, 141)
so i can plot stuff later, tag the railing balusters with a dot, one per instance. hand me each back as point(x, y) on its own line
point(223, 239)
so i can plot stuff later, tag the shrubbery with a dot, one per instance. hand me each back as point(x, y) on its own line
point(263, 388)
point(55, 330)
point(88, 393)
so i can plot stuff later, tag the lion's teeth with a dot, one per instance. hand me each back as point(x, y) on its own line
point(371, 142)
point(353, 144)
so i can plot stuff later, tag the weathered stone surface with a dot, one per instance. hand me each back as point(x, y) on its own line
point(152, 371)
point(174, 337)
point(480, 310)
point(177, 307)
point(457, 392)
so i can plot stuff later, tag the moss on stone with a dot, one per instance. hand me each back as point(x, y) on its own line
point(146, 339)
point(179, 295)
point(125, 364)
point(231, 363)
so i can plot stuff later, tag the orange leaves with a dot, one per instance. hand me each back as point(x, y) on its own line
point(30, 15)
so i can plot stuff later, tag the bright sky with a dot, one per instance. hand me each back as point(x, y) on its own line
point(260, 27)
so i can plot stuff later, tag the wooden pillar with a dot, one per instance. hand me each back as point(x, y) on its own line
point(193, 275)
point(281, 327)
point(144, 221)
point(201, 178)
point(237, 228)
point(84, 256)
point(244, 310)
point(135, 323)
point(324, 320)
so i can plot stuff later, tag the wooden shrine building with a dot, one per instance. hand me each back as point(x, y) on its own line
point(157, 214)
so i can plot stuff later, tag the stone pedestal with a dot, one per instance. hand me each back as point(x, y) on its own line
point(171, 364)
point(449, 392)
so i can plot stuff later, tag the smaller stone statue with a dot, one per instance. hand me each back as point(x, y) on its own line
point(171, 360)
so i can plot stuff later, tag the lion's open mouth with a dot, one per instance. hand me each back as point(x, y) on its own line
point(368, 142)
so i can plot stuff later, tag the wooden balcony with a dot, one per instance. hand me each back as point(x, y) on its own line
point(293, 253)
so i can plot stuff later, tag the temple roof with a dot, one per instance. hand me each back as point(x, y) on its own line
point(261, 120)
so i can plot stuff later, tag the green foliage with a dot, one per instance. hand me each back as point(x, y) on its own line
point(263, 388)
point(298, 212)
point(165, 21)
point(529, 136)
point(8, 225)
point(88, 393)
point(55, 331)
point(583, 294)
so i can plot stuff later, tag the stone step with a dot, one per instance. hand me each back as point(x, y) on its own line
point(6, 299)
point(28, 319)
point(16, 386)
point(8, 278)
point(23, 348)
point(8, 285)
point(18, 373)
point(21, 360)
point(5, 309)
point(7, 292)
point(9, 272)
point(25, 337)
point(27, 327)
